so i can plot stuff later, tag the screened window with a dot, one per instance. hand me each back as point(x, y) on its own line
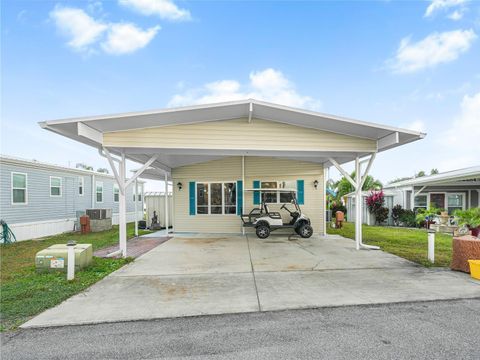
point(55, 186)
point(218, 198)
point(80, 186)
point(99, 191)
point(420, 202)
point(116, 193)
point(19, 188)
point(278, 197)
point(454, 202)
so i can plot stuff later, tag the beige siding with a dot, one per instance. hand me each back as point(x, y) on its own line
point(238, 135)
point(256, 168)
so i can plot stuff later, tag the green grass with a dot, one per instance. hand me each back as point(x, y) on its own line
point(25, 293)
point(410, 244)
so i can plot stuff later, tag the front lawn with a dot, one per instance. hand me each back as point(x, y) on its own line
point(24, 293)
point(411, 244)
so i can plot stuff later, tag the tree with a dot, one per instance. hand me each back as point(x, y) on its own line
point(420, 174)
point(83, 166)
point(344, 187)
point(102, 170)
point(434, 171)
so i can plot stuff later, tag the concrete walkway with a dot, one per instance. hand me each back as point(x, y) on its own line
point(197, 275)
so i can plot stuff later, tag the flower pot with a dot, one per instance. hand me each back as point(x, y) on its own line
point(475, 231)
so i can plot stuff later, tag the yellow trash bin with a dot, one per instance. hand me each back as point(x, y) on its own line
point(475, 268)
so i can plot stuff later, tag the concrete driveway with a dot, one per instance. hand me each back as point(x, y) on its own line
point(197, 275)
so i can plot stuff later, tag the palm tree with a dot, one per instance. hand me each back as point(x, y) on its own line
point(344, 187)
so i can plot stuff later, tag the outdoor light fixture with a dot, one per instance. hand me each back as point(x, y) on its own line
point(315, 184)
point(179, 185)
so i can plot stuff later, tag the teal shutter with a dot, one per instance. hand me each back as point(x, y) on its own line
point(256, 194)
point(301, 192)
point(191, 194)
point(239, 197)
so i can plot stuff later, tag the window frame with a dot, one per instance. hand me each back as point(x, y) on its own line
point(415, 208)
point(81, 184)
point(209, 206)
point(96, 191)
point(60, 187)
point(14, 188)
point(278, 193)
point(116, 191)
point(455, 193)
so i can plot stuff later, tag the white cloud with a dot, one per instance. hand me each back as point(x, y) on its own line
point(165, 9)
point(88, 35)
point(456, 15)
point(127, 38)
point(416, 125)
point(435, 49)
point(465, 130)
point(268, 85)
point(82, 29)
point(439, 5)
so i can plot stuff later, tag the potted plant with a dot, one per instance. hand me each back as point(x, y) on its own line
point(427, 216)
point(469, 218)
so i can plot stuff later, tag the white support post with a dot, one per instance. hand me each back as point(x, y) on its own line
point(243, 189)
point(136, 208)
point(358, 205)
point(166, 202)
point(325, 178)
point(122, 209)
point(431, 246)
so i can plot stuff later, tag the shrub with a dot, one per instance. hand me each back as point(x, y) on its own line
point(469, 217)
point(397, 212)
point(407, 218)
point(375, 201)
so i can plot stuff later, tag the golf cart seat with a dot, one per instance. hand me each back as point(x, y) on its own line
point(272, 214)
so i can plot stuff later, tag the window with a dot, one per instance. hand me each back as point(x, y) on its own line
point(19, 188)
point(99, 191)
point(218, 198)
point(454, 202)
point(278, 197)
point(80, 186)
point(420, 202)
point(55, 186)
point(116, 193)
point(139, 197)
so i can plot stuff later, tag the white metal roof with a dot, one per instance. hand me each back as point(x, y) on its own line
point(44, 165)
point(470, 173)
point(89, 130)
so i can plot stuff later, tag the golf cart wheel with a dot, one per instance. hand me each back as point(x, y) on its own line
point(262, 231)
point(305, 231)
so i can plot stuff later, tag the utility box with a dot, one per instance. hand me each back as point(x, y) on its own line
point(100, 219)
point(55, 258)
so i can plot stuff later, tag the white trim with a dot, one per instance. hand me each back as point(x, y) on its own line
point(61, 186)
point(81, 183)
point(96, 192)
point(12, 188)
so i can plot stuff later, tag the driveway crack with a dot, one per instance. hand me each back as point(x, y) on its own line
point(253, 273)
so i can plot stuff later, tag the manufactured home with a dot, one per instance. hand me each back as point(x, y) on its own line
point(212, 153)
point(39, 199)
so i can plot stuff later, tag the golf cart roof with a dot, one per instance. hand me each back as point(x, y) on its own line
point(273, 190)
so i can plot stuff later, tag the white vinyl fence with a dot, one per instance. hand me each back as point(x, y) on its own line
point(155, 201)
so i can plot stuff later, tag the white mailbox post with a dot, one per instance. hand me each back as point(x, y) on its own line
point(71, 260)
point(431, 246)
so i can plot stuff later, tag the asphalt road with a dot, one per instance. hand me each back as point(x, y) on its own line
point(428, 330)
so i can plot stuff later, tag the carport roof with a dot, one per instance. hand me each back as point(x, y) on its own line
point(90, 130)
point(470, 174)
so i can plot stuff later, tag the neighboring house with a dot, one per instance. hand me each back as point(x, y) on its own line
point(452, 190)
point(213, 152)
point(391, 199)
point(39, 199)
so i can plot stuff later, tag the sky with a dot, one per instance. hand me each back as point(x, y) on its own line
point(412, 64)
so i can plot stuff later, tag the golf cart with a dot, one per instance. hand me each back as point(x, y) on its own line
point(265, 221)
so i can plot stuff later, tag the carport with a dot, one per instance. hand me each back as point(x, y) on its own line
point(163, 141)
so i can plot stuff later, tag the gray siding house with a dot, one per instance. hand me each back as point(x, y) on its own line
point(39, 199)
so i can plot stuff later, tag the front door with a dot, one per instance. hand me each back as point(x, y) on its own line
point(437, 201)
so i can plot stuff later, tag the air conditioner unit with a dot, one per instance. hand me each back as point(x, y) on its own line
point(99, 214)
